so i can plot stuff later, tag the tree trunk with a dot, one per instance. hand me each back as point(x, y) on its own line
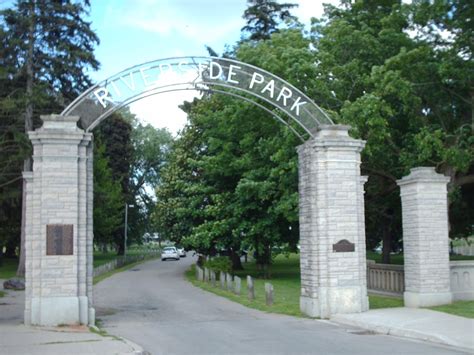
point(236, 262)
point(386, 242)
point(28, 164)
point(10, 251)
point(120, 249)
point(201, 260)
point(268, 262)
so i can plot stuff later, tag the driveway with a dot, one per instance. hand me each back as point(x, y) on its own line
point(155, 307)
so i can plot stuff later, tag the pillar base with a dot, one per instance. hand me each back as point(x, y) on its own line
point(417, 300)
point(54, 311)
point(335, 300)
point(310, 306)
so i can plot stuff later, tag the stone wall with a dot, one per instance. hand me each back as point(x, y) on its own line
point(462, 280)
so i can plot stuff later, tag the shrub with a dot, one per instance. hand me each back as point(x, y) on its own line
point(221, 263)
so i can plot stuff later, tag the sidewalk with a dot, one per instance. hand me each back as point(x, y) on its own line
point(422, 324)
point(17, 339)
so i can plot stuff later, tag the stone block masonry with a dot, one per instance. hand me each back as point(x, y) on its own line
point(425, 238)
point(59, 193)
point(332, 230)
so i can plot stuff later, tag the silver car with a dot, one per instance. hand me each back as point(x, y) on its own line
point(182, 252)
point(169, 253)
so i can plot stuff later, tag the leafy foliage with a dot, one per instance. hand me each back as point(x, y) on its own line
point(264, 16)
point(46, 50)
point(108, 199)
point(382, 67)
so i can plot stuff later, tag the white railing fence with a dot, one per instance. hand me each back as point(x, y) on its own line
point(389, 279)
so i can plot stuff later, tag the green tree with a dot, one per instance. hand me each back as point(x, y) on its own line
point(263, 17)
point(108, 200)
point(241, 191)
point(150, 151)
point(401, 94)
point(180, 200)
point(115, 134)
point(47, 49)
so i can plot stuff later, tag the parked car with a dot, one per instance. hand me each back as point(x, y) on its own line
point(169, 253)
point(182, 252)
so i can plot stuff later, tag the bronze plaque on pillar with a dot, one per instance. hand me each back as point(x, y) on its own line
point(343, 246)
point(59, 239)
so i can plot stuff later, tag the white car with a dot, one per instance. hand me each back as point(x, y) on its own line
point(169, 253)
point(182, 252)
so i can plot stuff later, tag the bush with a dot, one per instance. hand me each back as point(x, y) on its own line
point(220, 263)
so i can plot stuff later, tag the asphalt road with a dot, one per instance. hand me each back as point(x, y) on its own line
point(155, 307)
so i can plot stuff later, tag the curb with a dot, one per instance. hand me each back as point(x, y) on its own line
point(399, 332)
point(137, 349)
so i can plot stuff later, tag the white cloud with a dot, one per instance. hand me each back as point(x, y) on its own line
point(196, 20)
point(162, 110)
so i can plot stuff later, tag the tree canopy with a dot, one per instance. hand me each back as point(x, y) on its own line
point(47, 49)
point(399, 74)
point(264, 16)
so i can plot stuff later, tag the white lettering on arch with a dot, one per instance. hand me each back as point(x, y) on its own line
point(231, 74)
point(296, 105)
point(102, 95)
point(145, 76)
point(270, 87)
point(211, 71)
point(285, 93)
point(256, 78)
point(131, 84)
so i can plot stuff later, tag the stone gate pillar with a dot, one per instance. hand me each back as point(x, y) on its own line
point(58, 239)
point(425, 238)
point(332, 228)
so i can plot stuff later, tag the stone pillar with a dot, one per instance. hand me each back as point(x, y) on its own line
point(59, 225)
point(425, 238)
point(332, 230)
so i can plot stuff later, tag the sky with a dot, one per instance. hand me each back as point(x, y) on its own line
point(132, 32)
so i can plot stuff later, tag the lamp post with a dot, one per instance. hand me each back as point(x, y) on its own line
point(126, 228)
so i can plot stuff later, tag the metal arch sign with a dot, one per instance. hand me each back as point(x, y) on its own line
point(196, 73)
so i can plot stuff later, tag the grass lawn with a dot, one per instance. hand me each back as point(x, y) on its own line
point(376, 302)
point(103, 258)
point(99, 278)
point(2, 294)
point(8, 268)
point(459, 308)
point(285, 279)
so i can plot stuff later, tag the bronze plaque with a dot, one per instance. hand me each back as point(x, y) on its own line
point(59, 239)
point(343, 246)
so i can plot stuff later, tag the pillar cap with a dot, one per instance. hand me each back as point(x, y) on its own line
point(423, 174)
point(68, 123)
point(337, 130)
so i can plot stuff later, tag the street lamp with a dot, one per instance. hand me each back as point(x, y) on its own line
point(126, 228)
